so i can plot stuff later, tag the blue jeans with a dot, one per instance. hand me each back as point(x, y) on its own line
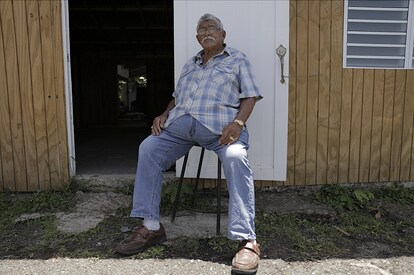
point(158, 153)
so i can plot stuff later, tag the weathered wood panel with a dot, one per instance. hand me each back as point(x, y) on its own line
point(397, 122)
point(345, 125)
point(407, 128)
point(58, 59)
point(366, 124)
point(355, 130)
point(376, 137)
point(50, 89)
point(26, 95)
point(291, 98)
point(312, 95)
point(11, 78)
point(335, 91)
point(324, 78)
point(362, 119)
point(301, 83)
point(6, 147)
point(38, 94)
point(33, 146)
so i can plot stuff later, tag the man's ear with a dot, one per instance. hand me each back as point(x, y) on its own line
point(224, 34)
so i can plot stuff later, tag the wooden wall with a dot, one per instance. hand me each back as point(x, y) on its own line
point(345, 125)
point(33, 134)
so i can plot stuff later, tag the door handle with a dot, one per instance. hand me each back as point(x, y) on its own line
point(281, 51)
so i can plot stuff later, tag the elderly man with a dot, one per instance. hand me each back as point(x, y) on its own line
point(214, 97)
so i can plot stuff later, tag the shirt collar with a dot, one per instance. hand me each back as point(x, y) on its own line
point(198, 59)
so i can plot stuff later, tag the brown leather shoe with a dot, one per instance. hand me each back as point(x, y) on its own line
point(247, 258)
point(141, 240)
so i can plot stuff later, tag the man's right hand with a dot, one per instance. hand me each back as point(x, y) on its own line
point(158, 124)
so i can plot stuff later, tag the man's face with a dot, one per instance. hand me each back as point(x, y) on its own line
point(209, 36)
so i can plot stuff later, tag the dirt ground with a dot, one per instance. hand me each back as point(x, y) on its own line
point(297, 234)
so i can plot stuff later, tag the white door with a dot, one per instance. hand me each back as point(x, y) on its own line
point(256, 28)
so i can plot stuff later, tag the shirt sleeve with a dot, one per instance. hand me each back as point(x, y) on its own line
point(248, 86)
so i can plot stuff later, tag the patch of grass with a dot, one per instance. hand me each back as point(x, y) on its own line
point(397, 194)
point(78, 185)
point(365, 225)
point(184, 245)
point(187, 199)
point(13, 205)
point(342, 198)
point(157, 251)
point(220, 244)
point(298, 236)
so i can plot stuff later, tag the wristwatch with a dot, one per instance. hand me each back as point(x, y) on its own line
point(239, 122)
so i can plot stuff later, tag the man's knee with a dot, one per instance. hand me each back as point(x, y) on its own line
point(236, 152)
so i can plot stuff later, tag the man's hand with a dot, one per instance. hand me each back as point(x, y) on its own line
point(158, 124)
point(231, 133)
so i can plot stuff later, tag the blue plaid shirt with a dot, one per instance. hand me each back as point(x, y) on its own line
point(211, 93)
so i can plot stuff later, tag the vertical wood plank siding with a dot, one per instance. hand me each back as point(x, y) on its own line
point(345, 125)
point(33, 136)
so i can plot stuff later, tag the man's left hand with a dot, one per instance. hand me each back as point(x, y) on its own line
point(231, 133)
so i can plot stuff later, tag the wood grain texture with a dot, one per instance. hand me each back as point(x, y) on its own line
point(355, 130)
point(366, 126)
point(26, 95)
point(407, 128)
point(33, 146)
point(6, 146)
point(15, 104)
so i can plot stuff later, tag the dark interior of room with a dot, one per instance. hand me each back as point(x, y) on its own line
point(122, 61)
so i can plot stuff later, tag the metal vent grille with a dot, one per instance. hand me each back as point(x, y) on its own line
point(378, 34)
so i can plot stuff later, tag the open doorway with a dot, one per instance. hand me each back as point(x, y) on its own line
point(122, 77)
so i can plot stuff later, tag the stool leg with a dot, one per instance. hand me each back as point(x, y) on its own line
point(200, 163)
point(218, 196)
point(180, 183)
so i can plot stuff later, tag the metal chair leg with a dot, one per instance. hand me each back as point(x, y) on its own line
point(218, 188)
point(180, 184)
point(200, 163)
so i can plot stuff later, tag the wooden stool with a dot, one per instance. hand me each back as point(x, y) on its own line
point(218, 187)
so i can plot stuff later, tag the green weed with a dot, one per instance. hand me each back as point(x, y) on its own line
point(397, 194)
point(169, 193)
point(221, 244)
point(342, 198)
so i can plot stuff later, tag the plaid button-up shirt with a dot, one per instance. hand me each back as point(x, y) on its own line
point(211, 93)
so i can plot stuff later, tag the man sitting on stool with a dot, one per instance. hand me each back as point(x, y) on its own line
point(214, 97)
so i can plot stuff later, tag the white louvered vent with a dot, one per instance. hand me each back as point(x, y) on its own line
point(378, 34)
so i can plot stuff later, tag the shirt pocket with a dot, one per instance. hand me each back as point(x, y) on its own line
point(224, 75)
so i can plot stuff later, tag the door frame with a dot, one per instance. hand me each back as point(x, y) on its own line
point(68, 88)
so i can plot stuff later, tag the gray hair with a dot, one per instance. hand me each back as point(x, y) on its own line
point(207, 17)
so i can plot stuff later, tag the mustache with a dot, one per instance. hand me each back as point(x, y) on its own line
point(208, 38)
